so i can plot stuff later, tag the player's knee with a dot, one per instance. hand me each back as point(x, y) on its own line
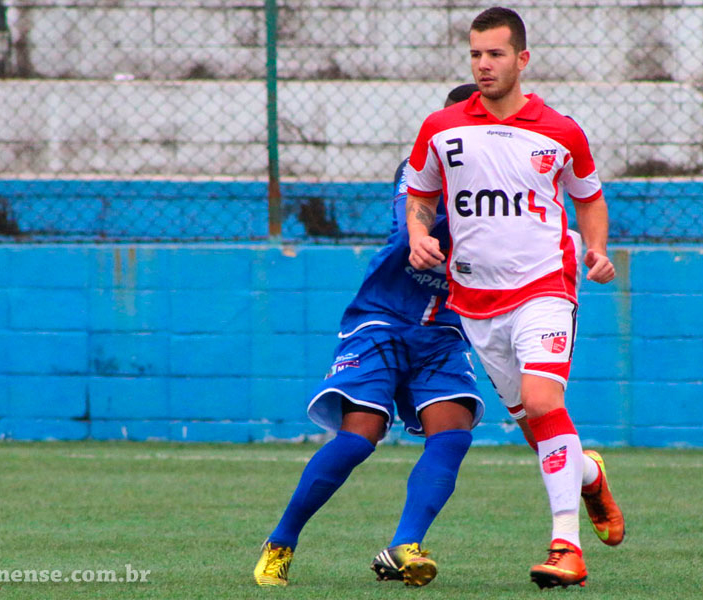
point(364, 421)
point(448, 415)
point(540, 395)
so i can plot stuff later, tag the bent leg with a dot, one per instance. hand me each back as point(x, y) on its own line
point(591, 469)
point(433, 478)
point(327, 470)
point(443, 416)
point(363, 421)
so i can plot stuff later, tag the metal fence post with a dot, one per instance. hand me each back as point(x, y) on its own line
point(274, 187)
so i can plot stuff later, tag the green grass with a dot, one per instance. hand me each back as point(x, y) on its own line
point(195, 515)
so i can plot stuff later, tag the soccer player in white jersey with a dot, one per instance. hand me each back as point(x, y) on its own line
point(502, 161)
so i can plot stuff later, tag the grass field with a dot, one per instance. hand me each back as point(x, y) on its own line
point(195, 516)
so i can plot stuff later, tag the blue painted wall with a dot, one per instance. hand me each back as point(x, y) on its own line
point(641, 210)
point(224, 342)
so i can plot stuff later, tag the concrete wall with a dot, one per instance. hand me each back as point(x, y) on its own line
point(358, 77)
point(225, 342)
point(347, 39)
point(330, 131)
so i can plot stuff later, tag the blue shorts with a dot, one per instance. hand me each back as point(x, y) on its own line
point(408, 366)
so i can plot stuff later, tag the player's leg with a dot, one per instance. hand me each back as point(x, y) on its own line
point(543, 334)
point(561, 462)
point(448, 406)
point(429, 486)
point(497, 342)
point(603, 511)
point(360, 424)
point(606, 516)
point(328, 469)
point(323, 475)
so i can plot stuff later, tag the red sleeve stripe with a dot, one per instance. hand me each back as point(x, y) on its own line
point(590, 198)
point(422, 194)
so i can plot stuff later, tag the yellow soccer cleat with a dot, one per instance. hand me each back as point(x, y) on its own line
point(272, 568)
point(564, 567)
point(406, 563)
point(605, 515)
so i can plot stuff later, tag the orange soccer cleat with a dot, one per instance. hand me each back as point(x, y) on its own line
point(605, 515)
point(564, 567)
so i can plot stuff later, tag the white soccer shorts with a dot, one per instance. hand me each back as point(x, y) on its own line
point(535, 338)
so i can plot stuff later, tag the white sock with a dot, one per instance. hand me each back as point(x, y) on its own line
point(565, 526)
point(561, 463)
point(591, 470)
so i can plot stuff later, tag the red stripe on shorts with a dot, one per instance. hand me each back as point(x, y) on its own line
point(561, 369)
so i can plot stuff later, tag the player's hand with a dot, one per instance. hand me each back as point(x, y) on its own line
point(425, 252)
point(600, 269)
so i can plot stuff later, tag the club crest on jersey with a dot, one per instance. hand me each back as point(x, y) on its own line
point(554, 342)
point(543, 160)
point(344, 361)
point(554, 461)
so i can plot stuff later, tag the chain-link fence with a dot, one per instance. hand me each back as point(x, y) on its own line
point(178, 120)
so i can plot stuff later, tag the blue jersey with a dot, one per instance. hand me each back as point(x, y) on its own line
point(393, 291)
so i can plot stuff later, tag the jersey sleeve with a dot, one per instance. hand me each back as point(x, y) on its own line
point(424, 175)
point(580, 177)
point(400, 195)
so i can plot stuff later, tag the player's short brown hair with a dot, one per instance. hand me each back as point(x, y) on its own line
point(498, 16)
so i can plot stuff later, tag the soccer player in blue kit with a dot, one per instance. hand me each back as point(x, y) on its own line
point(401, 347)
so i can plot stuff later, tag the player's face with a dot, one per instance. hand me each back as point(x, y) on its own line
point(495, 64)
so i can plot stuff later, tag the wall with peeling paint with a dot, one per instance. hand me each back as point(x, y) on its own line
point(330, 131)
point(224, 342)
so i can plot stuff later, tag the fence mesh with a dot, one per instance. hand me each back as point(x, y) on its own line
point(149, 119)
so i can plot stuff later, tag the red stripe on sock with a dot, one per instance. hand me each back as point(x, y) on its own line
point(515, 409)
point(554, 423)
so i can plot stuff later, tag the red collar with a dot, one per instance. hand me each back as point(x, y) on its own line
point(530, 112)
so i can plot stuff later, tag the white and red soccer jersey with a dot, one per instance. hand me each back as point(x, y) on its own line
point(503, 184)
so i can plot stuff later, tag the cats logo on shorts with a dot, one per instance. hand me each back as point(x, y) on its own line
point(555, 341)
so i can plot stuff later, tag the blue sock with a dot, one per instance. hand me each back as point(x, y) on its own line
point(431, 482)
point(327, 470)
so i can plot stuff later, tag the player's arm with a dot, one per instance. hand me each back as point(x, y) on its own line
point(420, 217)
point(592, 219)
